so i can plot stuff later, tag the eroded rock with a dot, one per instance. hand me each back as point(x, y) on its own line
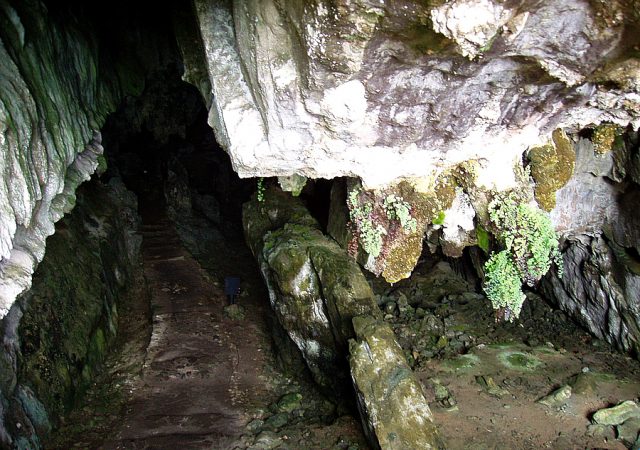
point(58, 87)
point(56, 337)
point(315, 288)
point(395, 412)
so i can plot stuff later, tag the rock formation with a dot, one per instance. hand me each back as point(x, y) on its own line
point(57, 334)
point(385, 91)
point(314, 287)
point(61, 76)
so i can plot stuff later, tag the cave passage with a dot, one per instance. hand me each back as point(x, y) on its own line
point(200, 371)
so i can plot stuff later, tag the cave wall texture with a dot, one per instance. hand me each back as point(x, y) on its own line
point(63, 69)
point(442, 102)
point(446, 103)
point(56, 336)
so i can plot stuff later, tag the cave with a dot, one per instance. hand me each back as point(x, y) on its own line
point(430, 209)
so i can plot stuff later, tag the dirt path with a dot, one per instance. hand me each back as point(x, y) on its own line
point(199, 373)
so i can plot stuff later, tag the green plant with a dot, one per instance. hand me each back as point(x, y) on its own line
point(483, 238)
point(398, 209)
point(439, 219)
point(369, 234)
point(260, 190)
point(375, 220)
point(530, 246)
point(502, 283)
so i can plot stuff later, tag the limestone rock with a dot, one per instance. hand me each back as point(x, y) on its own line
point(315, 288)
point(56, 337)
point(234, 312)
point(629, 431)
point(557, 397)
point(57, 88)
point(618, 414)
point(393, 407)
point(384, 92)
point(595, 214)
point(390, 92)
point(289, 402)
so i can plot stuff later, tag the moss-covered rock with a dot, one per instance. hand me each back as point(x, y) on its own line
point(59, 83)
point(398, 239)
point(69, 317)
point(551, 168)
point(604, 136)
point(394, 410)
point(315, 287)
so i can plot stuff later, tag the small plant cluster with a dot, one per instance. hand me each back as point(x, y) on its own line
point(398, 209)
point(260, 190)
point(369, 233)
point(530, 246)
point(367, 223)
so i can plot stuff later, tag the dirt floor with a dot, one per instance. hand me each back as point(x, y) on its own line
point(484, 380)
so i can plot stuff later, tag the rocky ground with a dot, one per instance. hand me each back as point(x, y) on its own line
point(535, 383)
point(210, 377)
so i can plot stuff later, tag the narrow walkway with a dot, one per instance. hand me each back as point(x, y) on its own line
point(200, 371)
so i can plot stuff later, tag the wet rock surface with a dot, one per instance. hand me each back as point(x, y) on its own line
point(59, 84)
point(596, 216)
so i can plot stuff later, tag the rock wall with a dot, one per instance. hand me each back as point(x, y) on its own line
point(597, 213)
point(385, 91)
point(56, 335)
point(63, 70)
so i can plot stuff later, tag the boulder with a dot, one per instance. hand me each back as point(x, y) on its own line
point(618, 414)
point(392, 405)
point(315, 288)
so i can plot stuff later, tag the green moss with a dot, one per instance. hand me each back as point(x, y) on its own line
point(69, 312)
point(461, 362)
point(604, 137)
point(439, 219)
point(483, 238)
point(519, 360)
point(551, 166)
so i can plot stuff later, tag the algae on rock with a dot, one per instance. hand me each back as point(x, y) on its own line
point(315, 288)
point(395, 413)
point(551, 166)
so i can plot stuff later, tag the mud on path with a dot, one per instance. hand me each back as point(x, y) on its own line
point(195, 378)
